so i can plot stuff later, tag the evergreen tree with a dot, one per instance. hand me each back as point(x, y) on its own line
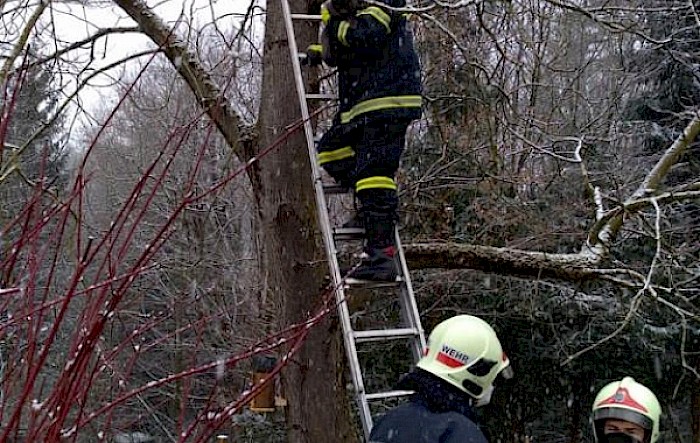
point(669, 80)
point(30, 105)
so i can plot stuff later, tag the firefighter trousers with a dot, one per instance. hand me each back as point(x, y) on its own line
point(365, 155)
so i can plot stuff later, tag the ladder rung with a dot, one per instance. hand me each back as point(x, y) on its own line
point(348, 233)
point(351, 282)
point(305, 17)
point(388, 394)
point(335, 189)
point(384, 334)
point(321, 97)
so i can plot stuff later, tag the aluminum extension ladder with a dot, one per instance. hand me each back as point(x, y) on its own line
point(411, 328)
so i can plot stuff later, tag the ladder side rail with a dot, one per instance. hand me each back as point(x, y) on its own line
point(325, 226)
point(409, 307)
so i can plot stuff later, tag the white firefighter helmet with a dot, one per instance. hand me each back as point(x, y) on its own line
point(629, 401)
point(465, 352)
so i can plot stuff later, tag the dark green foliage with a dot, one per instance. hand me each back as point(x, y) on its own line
point(668, 79)
point(31, 113)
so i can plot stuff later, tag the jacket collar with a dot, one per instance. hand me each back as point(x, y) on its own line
point(435, 394)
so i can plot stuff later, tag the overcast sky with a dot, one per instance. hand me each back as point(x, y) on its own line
point(75, 22)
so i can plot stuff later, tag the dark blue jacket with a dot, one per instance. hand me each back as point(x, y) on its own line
point(378, 69)
point(437, 413)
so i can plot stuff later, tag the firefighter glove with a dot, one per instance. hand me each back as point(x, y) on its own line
point(314, 55)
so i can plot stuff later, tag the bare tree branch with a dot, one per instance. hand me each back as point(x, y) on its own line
point(79, 44)
point(670, 157)
point(203, 87)
point(21, 42)
point(578, 266)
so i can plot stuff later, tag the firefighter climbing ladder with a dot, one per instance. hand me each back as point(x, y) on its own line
point(411, 329)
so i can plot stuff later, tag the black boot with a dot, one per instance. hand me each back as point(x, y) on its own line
point(379, 265)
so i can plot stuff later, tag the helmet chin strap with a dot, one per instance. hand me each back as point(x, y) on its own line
point(618, 437)
point(485, 399)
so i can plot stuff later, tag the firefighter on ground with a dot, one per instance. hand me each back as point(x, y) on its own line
point(625, 411)
point(463, 360)
point(379, 96)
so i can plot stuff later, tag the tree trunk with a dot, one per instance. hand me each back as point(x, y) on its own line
point(695, 410)
point(579, 409)
point(294, 263)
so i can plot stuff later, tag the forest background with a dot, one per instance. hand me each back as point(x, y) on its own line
point(160, 234)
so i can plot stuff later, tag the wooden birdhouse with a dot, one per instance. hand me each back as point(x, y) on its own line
point(263, 366)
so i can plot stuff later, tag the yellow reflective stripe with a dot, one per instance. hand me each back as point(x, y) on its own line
point(325, 14)
point(315, 48)
point(334, 156)
point(343, 32)
point(379, 15)
point(375, 183)
point(376, 104)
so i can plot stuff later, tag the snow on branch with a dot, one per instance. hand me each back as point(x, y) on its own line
point(209, 95)
point(573, 267)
